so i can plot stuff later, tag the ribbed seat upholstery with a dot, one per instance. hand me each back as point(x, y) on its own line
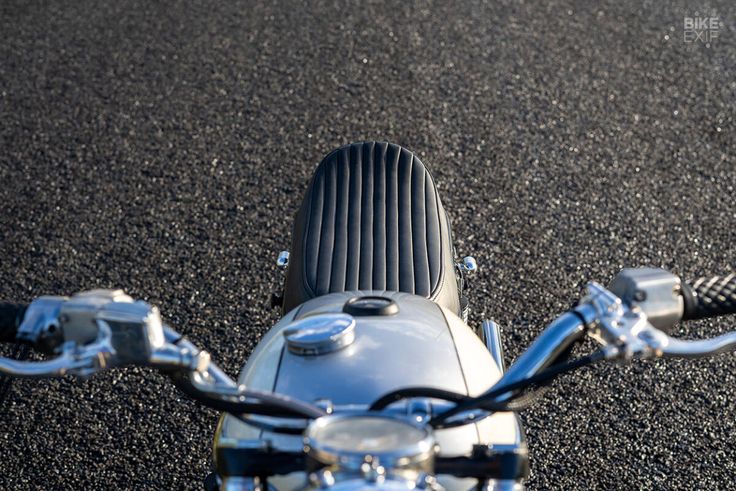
point(371, 219)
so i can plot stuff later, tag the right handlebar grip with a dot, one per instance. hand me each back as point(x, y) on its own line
point(11, 315)
point(709, 297)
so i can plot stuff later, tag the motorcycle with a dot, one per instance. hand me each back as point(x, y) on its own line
point(372, 378)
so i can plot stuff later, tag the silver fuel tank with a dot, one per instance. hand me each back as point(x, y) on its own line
point(422, 344)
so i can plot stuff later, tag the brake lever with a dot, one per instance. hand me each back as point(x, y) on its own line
point(680, 348)
point(627, 334)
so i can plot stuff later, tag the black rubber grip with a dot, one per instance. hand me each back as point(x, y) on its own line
point(709, 297)
point(11, 315)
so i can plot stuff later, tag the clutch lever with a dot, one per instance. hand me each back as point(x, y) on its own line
point(100, 329)
point(74, 360)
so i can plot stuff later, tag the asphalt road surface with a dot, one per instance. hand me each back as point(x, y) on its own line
point(163, 148)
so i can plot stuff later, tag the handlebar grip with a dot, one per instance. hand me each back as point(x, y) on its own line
point(11, 315)
point(709, 297)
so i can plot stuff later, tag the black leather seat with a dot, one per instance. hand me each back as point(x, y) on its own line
point(371, 219)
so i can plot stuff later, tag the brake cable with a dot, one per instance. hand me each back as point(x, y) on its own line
point(547, 375)
point(487, 401)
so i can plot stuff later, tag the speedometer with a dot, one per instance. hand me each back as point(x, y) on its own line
point(353, 440)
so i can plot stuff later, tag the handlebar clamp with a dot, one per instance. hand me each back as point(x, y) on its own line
point(625, 333)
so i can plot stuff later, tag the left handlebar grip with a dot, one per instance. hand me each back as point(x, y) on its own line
point(11, 316)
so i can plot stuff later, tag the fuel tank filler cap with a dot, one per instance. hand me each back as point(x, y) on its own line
point(370, 305)
point(320, 334)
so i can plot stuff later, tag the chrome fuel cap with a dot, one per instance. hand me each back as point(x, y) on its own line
point(320, 334)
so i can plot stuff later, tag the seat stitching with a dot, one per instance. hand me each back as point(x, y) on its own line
point(305, 234)
point(442, 235)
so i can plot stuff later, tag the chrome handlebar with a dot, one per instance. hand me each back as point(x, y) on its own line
point(102, 329)
point(106, 328)
point(546, 348)
point(623, 329)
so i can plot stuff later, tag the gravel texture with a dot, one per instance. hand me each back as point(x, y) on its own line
point(163, 148)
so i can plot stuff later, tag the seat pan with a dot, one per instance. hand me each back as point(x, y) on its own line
point(371, 219)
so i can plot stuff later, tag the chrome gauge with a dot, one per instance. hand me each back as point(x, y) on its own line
point(350, 441)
